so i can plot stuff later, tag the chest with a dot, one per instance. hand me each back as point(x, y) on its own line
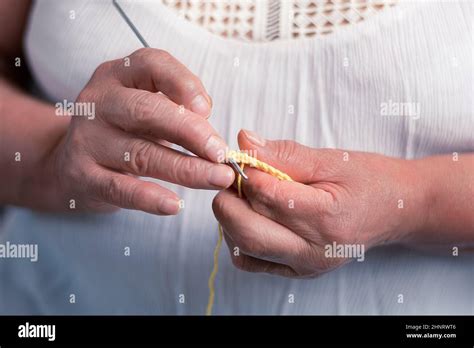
point(400, 83)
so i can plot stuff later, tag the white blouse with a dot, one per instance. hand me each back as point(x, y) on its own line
point(322, 91)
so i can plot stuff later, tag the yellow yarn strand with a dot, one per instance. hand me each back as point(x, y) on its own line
point(243, 159)
point(212, 277)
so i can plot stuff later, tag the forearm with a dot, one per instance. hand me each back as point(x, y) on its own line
point(447, 184)
point(29, 130)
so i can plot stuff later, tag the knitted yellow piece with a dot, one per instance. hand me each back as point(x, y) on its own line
point(243, 159)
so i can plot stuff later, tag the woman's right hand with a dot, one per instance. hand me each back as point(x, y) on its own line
point(97, 162)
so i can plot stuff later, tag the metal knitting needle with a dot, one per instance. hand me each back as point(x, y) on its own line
point(238, 169)
point(145, 44)
point(130, 24)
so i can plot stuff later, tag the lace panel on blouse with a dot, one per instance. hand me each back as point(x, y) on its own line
point(267, 20)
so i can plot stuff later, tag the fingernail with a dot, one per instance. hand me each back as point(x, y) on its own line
point(254, 138)
point(216, 149)
point(200, 105)
point(221, 176)
point(209, 99)
point(169, 206)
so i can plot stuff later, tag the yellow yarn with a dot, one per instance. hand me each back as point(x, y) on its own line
point(212, 277)
point(243, 159)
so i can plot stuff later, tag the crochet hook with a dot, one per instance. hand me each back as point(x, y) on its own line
point(237, 168)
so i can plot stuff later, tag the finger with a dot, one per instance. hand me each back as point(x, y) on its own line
point(152, 114)
point(256, 235)
point(301, 163)
point(127, 192)
point(145, 158)
point(251, 264)
point(156, 70)
point(286, 202)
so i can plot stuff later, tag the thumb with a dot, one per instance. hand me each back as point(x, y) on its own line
point(298, 161)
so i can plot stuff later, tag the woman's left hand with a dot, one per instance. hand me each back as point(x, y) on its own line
point(341, 202)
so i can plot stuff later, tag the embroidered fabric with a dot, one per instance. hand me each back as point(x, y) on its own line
point(267, 20)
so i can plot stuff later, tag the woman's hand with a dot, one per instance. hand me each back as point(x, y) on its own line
point(97, 161)
point(349, 201)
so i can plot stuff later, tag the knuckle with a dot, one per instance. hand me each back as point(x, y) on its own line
point(141, 159)
point(88, 94)
point(76, 143)
point(102, 69)
point(162, 55)
point(184, 170)
point(143, 106)
point(93, 93)
point(333, 209)
point(112, 190)
point(73, 159)
point(287, 150)
point(151, 55)
point(142, 53)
